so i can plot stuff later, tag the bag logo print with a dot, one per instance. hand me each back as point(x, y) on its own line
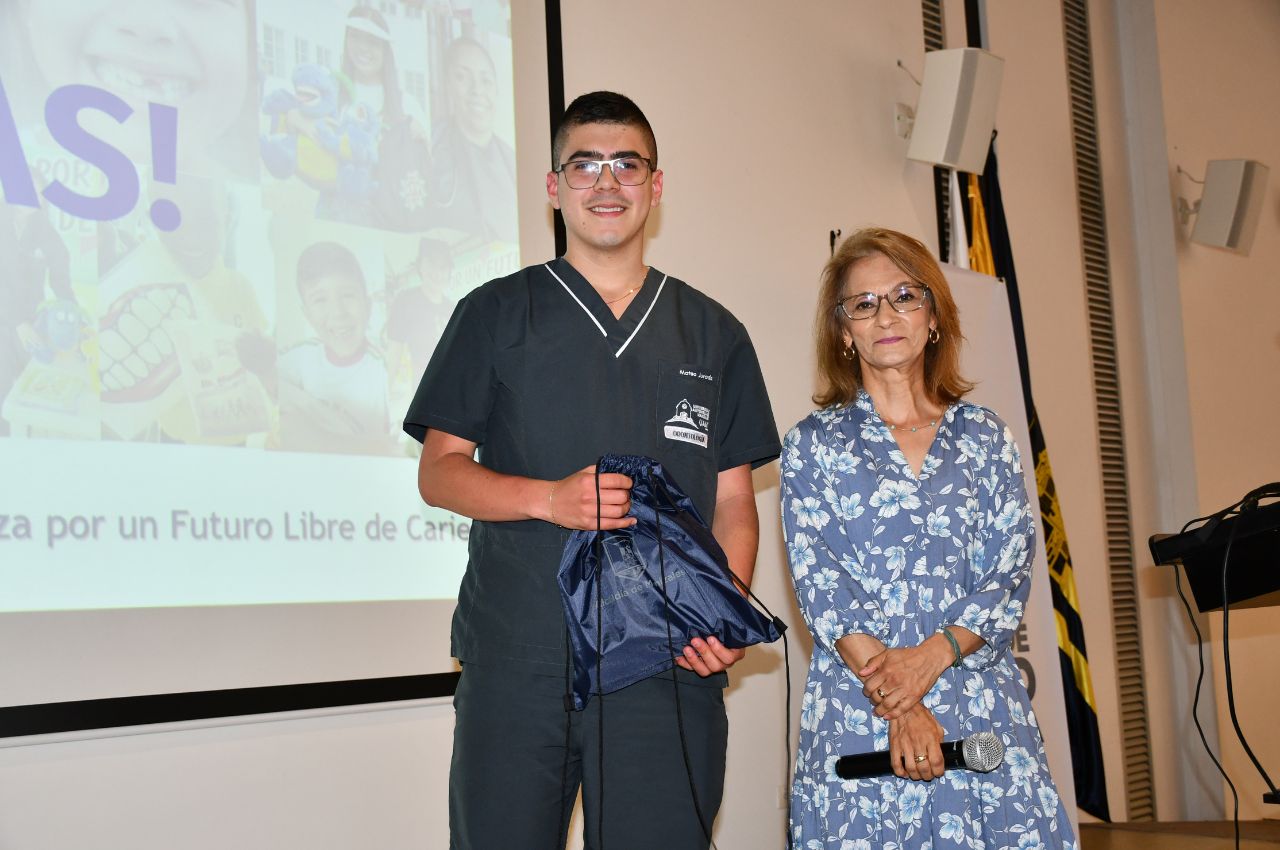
point(690, 424)
point(622, 557)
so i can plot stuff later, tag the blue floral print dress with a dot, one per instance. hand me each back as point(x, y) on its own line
point(874, 549)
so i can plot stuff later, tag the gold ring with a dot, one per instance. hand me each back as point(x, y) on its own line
point(920, 759)
point(880, 693)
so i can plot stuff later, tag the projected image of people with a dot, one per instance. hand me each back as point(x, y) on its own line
point(420, 309)
point(338, 121)
point(333, 384)
point(474, 182)
point(195, 57)
point(910, 541)
point(184, 354)
point(46, 384)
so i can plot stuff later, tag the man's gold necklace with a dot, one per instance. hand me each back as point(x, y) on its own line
point(626, 294)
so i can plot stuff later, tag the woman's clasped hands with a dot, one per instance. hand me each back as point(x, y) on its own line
point(897, 679)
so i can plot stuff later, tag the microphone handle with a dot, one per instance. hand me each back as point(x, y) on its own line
point(880, 763)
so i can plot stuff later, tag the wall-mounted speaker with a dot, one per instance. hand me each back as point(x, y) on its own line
point(957, 108)
point(1231, 204)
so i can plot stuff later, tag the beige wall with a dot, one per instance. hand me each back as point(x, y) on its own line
point(1220, 65)
point(1224, 108)
point(1140, 244)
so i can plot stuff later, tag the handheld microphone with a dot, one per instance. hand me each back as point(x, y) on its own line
point(981, 751)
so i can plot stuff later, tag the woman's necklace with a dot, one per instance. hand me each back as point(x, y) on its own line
point(912, 429)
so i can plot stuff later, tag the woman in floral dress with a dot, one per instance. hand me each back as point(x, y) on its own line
point(910, 540)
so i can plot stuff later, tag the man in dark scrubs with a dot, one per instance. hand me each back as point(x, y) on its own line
point(544, 371)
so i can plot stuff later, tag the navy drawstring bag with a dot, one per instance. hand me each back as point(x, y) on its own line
point(635, 596)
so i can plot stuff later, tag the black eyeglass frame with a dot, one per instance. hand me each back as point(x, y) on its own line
point(926, 294)
point(601, 163)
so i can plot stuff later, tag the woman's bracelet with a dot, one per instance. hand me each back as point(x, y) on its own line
point(955, 646)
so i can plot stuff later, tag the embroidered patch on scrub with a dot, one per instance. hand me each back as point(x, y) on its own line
point(690, 423)
point(687, 394)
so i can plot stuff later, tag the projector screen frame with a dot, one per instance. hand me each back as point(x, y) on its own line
point(119, 712)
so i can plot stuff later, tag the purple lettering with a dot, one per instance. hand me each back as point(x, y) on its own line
point(164, 163)
point(15, 177)
point(61, 114)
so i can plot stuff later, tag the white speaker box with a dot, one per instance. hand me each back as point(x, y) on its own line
point(1231, 204)
point(957, 108)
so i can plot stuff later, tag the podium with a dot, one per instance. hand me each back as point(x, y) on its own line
point(1254, 580)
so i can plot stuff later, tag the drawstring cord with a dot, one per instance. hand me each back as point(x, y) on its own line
point(675, 679)
point(562, 827)
point(786, 660)
point(781, 626)
point(777, 624)
point(599, 546)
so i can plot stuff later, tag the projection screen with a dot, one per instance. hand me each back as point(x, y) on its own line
point(231, 234)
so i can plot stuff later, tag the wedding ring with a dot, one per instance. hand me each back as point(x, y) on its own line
point(880, 693)
point(920, 758)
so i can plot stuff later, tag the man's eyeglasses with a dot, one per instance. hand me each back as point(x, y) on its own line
point(627, 170)
point(904, 298)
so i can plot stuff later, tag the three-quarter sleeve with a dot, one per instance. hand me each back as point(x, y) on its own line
point(830, 585)
point(1000, 558)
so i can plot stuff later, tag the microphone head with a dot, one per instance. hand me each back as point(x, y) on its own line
point(983, 752)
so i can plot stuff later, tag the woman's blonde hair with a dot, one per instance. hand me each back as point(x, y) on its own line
point(842, 377)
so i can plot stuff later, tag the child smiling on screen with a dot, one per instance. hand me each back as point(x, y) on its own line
point(333, 386)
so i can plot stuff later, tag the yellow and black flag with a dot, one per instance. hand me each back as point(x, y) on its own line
point(991, 253)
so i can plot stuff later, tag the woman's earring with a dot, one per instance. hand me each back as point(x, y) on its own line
point(849, 353)
point(934, 336)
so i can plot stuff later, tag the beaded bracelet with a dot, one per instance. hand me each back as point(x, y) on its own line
point(955, 646)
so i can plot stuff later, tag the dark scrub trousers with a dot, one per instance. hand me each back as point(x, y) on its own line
point(511, 785)
point(536, 370)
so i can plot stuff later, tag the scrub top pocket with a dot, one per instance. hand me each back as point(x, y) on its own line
point(687, 408)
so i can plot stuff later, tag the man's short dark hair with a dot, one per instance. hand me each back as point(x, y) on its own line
point(603, 107)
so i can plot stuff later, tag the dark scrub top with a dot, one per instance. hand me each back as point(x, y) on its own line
point(536, 370)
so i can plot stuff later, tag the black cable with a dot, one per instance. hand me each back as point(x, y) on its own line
point(599, 544)
point(733, 577)
point(675, 679)
point(786, 667)
point(1226, 655)
point(562, 828)
point(1211, 522)
point(1249, 501)
point(777, 624)
point(684, 744)
point(1195, 703)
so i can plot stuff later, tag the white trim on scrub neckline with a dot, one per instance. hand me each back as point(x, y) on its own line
point(596, 321)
